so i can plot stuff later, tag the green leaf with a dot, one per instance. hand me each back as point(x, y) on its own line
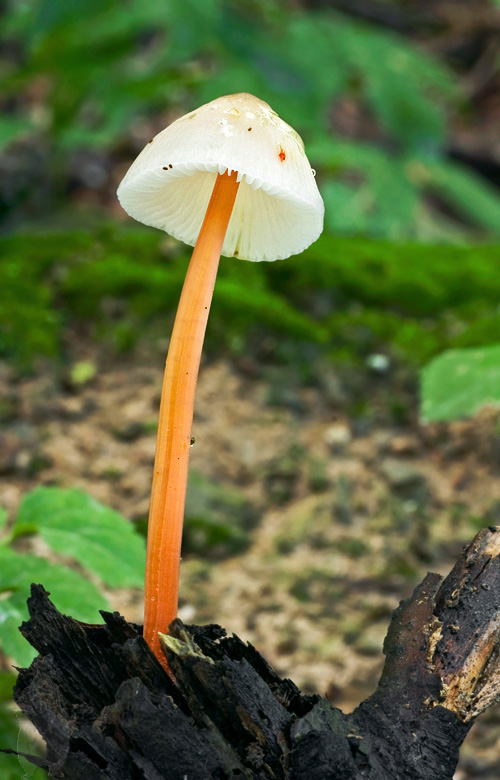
point(70, 592)
point(459, 382)
point(13, 737)
point(76, 525)
point(11, 767)
point(29, 746)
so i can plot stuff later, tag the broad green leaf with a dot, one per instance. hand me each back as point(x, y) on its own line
point(69, 591)
point(459, 382)
point(74, 524)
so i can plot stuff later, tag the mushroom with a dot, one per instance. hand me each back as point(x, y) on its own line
point(230, 178)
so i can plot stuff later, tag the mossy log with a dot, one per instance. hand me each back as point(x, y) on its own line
point(108, 711)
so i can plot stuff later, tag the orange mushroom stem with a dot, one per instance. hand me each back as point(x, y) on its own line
point(176, 417)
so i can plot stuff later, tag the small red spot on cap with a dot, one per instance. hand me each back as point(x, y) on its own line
point(282, 155)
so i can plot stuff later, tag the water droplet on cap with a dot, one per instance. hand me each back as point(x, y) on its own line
point(313, 172)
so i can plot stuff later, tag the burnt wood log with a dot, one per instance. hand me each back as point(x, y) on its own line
point(108, 711)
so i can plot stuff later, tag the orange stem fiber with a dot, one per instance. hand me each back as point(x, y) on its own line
point(168, 495)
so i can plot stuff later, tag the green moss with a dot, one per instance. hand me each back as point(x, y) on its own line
point(351, 296)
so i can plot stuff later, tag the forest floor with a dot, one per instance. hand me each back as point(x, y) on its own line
point(336, 518)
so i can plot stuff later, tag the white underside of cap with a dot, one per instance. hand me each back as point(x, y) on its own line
point(176, 201)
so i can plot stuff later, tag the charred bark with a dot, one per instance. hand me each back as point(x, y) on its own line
point(108, 711)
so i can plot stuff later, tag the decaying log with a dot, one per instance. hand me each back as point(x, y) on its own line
point(108, 711)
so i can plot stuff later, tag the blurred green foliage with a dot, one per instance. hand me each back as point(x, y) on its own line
point(85, 540)
point(88, 78)
point(72, 524)
point(12, 766)
point(92, 78)
point(101, 67)
point(345, 296)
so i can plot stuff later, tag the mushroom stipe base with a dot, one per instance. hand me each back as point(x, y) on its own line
point(109, 711)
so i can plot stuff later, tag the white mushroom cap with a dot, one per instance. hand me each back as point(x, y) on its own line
point(278, 210)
